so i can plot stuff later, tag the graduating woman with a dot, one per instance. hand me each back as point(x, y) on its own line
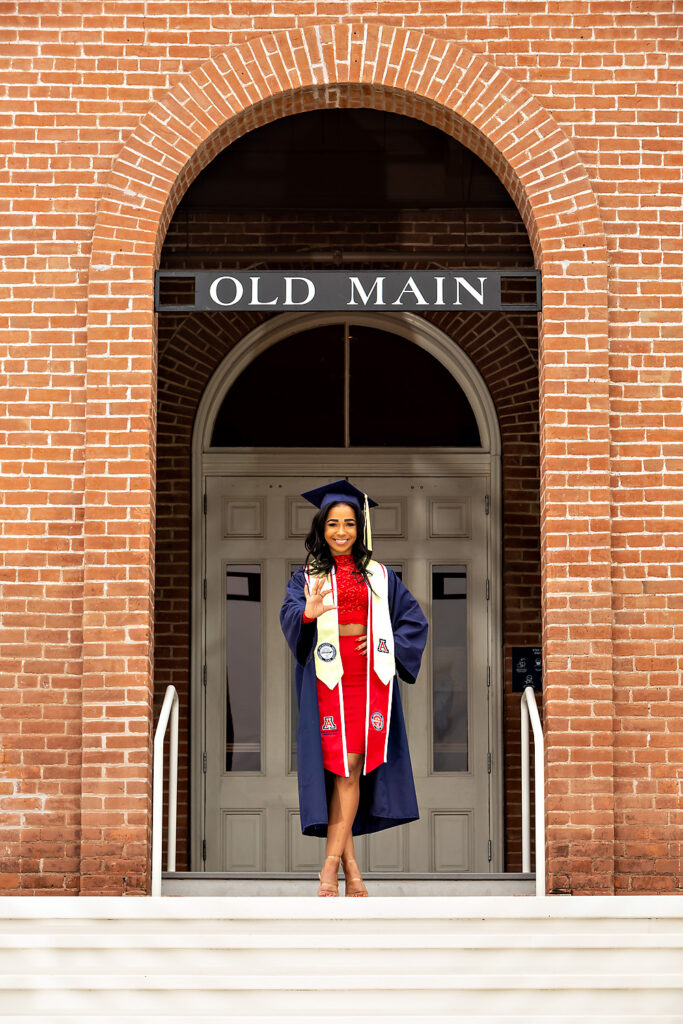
point(352, 626)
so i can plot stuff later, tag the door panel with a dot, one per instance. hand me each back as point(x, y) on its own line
point(451, 840)
point(242, 840)
point(433, 530)
point(304, 853)
point(387, 851)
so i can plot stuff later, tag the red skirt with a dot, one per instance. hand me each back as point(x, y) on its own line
point(354, 684)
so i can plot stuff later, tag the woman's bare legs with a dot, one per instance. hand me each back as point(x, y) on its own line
point(352, 873)
point(341, 814)
point(349, 850)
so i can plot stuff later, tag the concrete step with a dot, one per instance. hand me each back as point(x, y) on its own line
point(359, 1018)
point(436, 994)
point(355, 953)
point(512, 959)
point(199, 883)
point(337, 917)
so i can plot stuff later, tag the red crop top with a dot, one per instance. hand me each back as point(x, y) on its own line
point(352, 593)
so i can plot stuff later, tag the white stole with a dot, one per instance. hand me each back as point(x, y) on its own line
point(328, 664)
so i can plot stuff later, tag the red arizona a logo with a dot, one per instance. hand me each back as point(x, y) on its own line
point(329, 724)
point(382, 647)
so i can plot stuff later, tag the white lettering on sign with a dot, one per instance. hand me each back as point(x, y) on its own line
point(256, 299)
point(337, 290)
point(411, 287)
point(289, 291)
point(213, 291)
point(356, 286)
point(478, 296)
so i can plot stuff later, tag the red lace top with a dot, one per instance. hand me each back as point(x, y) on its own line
point(352, 593)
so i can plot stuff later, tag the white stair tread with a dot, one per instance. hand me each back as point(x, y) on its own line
point(272, 961)
point(360, 940)
point(328, 983)
point(515, 909)
point(354, 1019)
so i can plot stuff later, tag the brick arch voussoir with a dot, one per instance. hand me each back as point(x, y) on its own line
point(503, 352)
point(360, 65)
point(201, 341)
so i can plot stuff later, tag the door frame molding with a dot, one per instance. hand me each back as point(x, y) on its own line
point(367, 461)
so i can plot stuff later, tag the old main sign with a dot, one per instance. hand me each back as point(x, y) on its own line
point(338, 290)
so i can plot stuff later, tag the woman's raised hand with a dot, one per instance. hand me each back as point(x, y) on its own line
point(315, 597)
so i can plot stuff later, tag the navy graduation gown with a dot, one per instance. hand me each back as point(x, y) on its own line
point(387, 794)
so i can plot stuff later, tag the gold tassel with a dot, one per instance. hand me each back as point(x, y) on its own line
point(368, 531)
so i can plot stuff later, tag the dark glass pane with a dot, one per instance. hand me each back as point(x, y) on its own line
point(243, 661)
point(292, 395)
point(449, 667)
point(346, 159)
point(401, 395)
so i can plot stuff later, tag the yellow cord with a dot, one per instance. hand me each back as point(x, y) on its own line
point(368, 531)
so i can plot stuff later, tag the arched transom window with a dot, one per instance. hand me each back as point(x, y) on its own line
point(342, 386)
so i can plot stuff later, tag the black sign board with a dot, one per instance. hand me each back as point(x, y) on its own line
point(344, 290)
point(527, 668)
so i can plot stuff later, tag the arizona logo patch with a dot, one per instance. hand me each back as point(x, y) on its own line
point(327, 652)
point(377, 720)
point(382, 647)
point(329, 724)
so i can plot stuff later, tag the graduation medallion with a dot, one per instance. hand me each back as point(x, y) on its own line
point(327, 652)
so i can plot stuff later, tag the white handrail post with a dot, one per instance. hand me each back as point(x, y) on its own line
point(172, 786)
point(530, 713)
point(526, 788)
point(539, 793)
point(168, 709)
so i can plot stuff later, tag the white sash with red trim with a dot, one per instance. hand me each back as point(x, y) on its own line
point(381, 668)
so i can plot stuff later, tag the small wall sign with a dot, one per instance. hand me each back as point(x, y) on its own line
point(527, 668)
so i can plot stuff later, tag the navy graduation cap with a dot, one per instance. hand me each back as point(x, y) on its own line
point(345, 492)
point(338, 490)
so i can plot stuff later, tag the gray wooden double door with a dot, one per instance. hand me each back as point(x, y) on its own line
point(433, 531)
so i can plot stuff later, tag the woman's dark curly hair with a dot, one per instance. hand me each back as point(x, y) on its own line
point(320, 557)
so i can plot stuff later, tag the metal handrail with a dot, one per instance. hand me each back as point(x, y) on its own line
point(168, 709)
point(530, 711)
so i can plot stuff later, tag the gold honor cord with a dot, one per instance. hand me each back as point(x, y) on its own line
point(368, 530)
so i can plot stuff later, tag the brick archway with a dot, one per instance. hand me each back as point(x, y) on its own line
point(484, 108)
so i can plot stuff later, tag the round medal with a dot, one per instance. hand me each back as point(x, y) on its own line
point(327, 652)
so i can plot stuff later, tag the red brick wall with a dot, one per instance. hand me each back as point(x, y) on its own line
point(110, 112)
point(498, 233)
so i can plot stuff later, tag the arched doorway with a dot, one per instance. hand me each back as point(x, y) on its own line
point(324, 190)
point(438, 484)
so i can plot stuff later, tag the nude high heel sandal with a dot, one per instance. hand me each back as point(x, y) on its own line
point(356, 878)
point(329, 888)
